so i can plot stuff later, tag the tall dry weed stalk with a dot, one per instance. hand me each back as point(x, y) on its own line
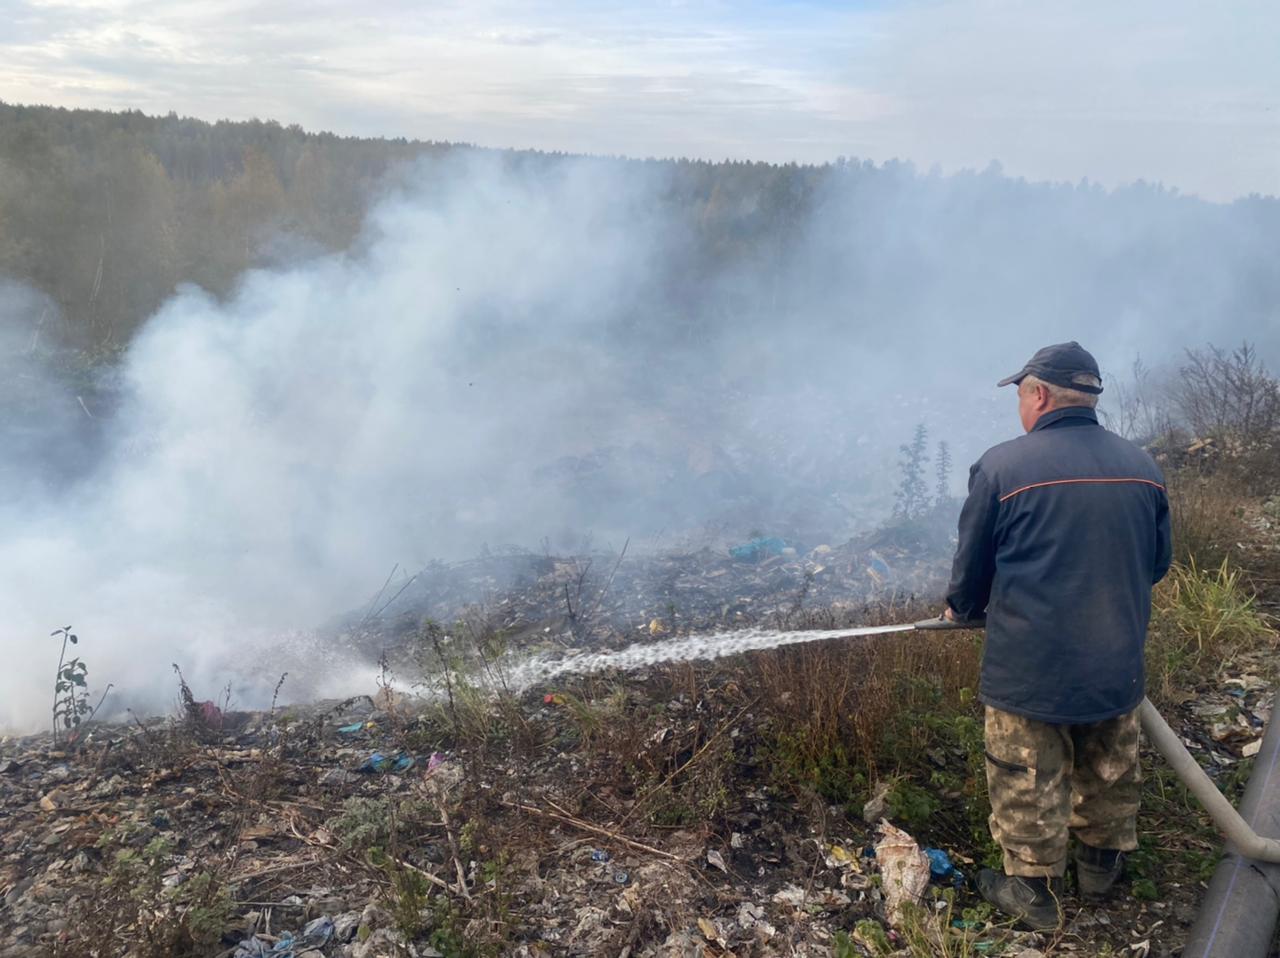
point(1207, 513)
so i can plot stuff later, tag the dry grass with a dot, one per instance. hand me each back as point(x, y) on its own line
point(1207, 512)
point(847, 713)
point(1202, 619)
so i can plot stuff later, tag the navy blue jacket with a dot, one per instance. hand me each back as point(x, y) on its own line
point(1062, 535)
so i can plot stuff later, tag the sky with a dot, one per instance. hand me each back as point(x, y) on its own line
point(1172, 91)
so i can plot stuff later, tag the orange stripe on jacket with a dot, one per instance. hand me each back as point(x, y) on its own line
point(1063, 482)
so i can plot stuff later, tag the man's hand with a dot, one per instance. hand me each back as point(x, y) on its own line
point(949, 614)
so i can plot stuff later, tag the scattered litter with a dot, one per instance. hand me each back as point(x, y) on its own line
point(877, 805)
point(941, 868)
point(905, 869)
point(758, 549)
point(377, 762)
point(314, 936)
point(599, 855)
point(353, 728)
point(819, 899)
point(710, 931)
point(716, 860)
point(209, 714)
point(837, 856)
point(621, 877)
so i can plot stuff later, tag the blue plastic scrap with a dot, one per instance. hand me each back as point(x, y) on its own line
point(940, 866)
point(316, 934)
point(599, 855)
point(377, 762)
point(878, 568)
point(352, 728)
point(758, 549)
point(942, 869)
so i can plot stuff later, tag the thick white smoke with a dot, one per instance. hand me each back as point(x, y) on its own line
point(499, 324)
point(275, 454)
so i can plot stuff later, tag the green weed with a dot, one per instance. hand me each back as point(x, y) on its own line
point(1201, 621)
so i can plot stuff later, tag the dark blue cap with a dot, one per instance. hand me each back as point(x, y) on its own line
point(1063, 364)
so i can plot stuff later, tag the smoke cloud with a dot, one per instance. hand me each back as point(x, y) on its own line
point(533, 350)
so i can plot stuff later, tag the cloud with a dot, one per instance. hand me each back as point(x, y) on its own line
point(1183, 93)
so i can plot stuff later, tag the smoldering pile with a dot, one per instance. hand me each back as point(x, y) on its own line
point(525, 603)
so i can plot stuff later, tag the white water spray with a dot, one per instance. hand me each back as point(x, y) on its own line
point(689, 648)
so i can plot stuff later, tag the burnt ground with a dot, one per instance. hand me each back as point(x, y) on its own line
point(674, 811)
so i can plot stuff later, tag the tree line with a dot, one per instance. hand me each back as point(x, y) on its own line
point(107, 213)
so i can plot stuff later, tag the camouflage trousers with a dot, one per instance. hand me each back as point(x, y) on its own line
point(1048, 781)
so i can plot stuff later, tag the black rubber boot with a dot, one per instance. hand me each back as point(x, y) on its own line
point(1036, 902)
point(1098, 870)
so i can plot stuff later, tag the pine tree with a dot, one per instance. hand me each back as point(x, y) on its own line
point(912, 496)
point(942, 470)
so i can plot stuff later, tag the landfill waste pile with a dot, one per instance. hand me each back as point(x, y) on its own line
point(598, 816)
point(648, 807)
point(608, 600)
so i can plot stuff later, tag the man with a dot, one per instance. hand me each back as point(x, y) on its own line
point(1062, 536)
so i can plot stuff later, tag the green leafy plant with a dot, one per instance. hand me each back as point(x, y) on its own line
point(70, 688)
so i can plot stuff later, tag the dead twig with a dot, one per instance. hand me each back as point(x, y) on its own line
point(399, 593)
point(435, 880)
point(595, 830)
point(374, 601)
point(97, 766)
point(273, 867)
point(453, 846)
point(608, 582)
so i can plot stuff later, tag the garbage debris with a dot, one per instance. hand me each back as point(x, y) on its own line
point(377, 762)
point(290, 827)
point(877, 568)
point(941, 868)
point(905, 869)
point(878, 804)
point(758, 549)
point(823, 899)
point(210, 715)
point(315, 935)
